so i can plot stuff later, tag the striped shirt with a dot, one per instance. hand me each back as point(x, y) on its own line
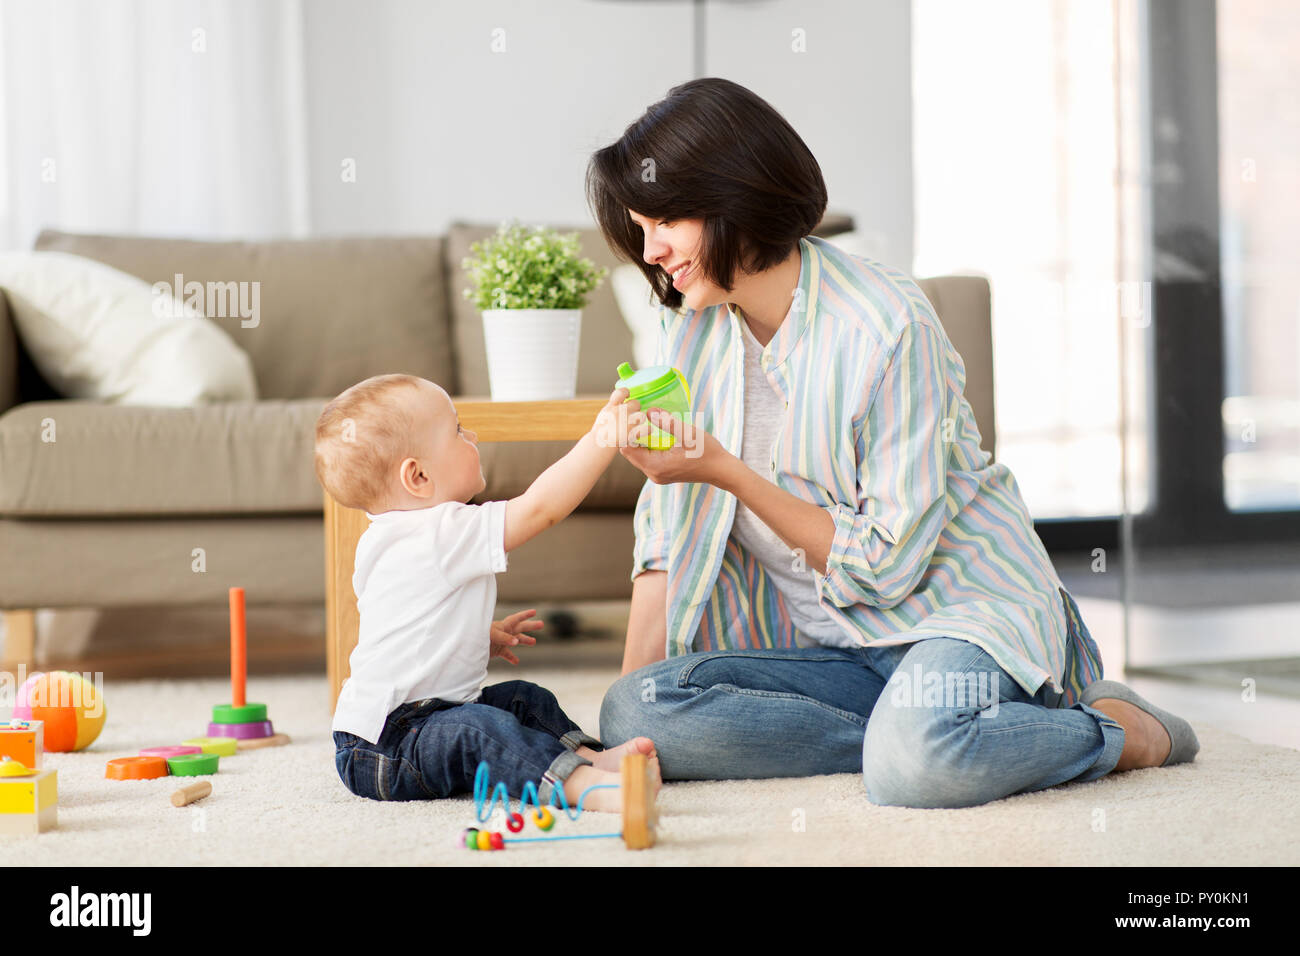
point(931, 538)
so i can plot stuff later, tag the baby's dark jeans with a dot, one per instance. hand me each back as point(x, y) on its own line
point(431, 748)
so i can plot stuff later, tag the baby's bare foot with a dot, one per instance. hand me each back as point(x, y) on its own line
point(605, 800)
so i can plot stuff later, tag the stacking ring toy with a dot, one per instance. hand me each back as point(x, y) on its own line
point(136, 768)
point(193, 765)
point(166, 752)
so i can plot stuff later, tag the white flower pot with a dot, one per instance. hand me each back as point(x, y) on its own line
point(532, 354)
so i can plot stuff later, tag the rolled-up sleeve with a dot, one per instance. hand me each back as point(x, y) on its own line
point(650, 522)
point(882, 547)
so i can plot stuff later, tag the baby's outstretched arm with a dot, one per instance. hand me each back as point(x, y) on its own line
point(559, 489)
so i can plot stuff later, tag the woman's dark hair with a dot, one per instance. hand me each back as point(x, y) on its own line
point(713, 150)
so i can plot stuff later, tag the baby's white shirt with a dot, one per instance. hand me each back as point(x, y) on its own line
point(426, 589)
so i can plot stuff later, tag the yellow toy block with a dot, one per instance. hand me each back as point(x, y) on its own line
point(24, 741)
point(29, 799)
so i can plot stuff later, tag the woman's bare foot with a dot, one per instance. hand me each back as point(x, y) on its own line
point(612, 759)
point(1146, 742)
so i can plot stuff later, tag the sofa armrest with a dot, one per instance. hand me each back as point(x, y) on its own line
point(8, 357)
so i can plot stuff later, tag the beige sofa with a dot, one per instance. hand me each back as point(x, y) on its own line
point(139, 506)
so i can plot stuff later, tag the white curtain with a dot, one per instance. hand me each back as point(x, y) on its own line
point(160, 117)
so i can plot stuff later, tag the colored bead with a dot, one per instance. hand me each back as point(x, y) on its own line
point(515, 822)
point(484, 840)
point(498, 841)
point(544, 818)
point(470, 839)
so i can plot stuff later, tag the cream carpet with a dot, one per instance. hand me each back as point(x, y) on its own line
point(1236, 805)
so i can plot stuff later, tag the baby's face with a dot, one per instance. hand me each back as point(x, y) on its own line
point(449, 452)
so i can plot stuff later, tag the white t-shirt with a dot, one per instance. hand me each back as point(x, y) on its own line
point(764, 413)
point(426, 590)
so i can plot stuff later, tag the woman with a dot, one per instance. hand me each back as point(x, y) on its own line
point(839, 577)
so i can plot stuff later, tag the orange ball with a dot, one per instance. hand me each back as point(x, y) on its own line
point(71, 707)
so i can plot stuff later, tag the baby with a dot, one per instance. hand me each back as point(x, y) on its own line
point(412, 722)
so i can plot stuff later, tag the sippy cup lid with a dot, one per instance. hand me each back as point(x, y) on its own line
point(644, 381)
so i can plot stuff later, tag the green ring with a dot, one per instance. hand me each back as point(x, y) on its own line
point(230, 714)
point(193, 765)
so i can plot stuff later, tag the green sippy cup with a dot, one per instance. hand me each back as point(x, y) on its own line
point(657, 386)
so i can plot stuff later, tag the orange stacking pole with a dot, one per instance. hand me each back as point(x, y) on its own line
point(238, 647)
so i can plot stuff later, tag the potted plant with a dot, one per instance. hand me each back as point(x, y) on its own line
point(530, 284)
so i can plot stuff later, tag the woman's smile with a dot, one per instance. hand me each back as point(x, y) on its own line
point(681, 278)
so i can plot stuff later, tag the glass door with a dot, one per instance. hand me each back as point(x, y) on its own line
point(1210, 532)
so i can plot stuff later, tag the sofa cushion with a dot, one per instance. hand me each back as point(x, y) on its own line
point(71, 458)
point(330, 312)
point(99, 333)
point(964, 306)
point(8, 356)
point(78, 459)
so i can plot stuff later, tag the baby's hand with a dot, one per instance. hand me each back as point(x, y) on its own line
point(509, 631)
point(616, 419)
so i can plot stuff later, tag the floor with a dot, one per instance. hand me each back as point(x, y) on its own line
point(144, 644)
point(286, 806)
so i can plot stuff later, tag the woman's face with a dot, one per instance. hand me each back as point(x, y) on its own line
point(672, 244)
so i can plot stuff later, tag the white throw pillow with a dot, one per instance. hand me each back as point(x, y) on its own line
point(640, 311)
point(96, 333)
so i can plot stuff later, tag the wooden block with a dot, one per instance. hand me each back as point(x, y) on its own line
point(639, 813)
point(29, 804)
point(24, 741)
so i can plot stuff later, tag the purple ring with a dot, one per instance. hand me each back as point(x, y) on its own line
point(261, 728)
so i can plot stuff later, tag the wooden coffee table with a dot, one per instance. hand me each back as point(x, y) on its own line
point(490, 421)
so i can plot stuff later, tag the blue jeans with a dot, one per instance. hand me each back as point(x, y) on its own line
point(933, 723)
point(430, 749)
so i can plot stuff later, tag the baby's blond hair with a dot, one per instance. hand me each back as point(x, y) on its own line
point(361, 439)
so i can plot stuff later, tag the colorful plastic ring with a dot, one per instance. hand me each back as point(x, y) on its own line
point(221, 746)
point(484, 840)
point(241, 731)
point(193, 765)
point(544, 818)
point(515, 822)
point(246, 714)
point(498, 841)
point(136, 768)
point(166, 752)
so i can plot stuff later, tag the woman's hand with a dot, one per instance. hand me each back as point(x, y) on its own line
point(509, 632)
point(695, 456)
